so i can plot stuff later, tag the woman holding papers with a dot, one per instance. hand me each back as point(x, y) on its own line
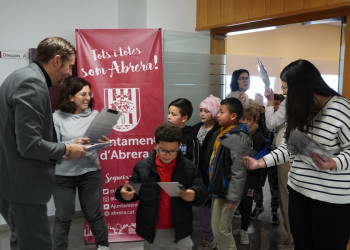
point(71, 120)
point(319, 189)
point(240, 83)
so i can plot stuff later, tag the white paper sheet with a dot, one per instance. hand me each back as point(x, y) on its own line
point(171, 188)
point(263, 73)
point(259, 99)
point(102, 124)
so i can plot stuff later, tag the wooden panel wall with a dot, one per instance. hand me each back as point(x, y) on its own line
point(220, 13)
point(223, 16)
point(346, 73)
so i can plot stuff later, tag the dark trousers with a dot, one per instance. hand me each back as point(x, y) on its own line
point(245, 207)
point(318, 225)
point(29, 225)
point(89, 190)
point(271, 173)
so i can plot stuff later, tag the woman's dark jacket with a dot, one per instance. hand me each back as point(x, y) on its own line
point(203, 153)
point(145, 172)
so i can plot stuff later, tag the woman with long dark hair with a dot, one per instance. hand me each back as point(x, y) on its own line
point(319, 191)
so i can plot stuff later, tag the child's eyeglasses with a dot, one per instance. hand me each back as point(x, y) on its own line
point(163, 151)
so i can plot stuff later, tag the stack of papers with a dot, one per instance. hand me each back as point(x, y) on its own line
point(302, 145)
point(90, 147)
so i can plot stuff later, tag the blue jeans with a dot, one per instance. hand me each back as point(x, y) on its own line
point(89, 190)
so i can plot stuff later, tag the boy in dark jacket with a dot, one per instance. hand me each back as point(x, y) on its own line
point(227, 174)
point(162, 220)
point(179, 112)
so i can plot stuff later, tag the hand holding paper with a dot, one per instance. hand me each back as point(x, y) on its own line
point(310, 150)
point(187, 194)
point(82, 140)
point(127, 191)
point(269, 94)
point(323, 163)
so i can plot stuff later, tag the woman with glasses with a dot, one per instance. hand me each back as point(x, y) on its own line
point(71, 120)
point(319, 186)
point(240, 83)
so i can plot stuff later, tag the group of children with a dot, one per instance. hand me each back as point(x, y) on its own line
point(209, 169)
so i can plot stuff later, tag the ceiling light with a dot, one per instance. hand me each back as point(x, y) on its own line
point(251, 31)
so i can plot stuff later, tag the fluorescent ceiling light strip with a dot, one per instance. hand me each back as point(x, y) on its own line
point(251, 31)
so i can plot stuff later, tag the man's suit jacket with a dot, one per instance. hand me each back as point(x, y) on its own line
point(27, 150)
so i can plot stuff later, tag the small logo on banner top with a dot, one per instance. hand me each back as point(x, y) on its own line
point(126, 101)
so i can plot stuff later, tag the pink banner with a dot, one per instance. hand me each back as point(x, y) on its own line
point(125, 69)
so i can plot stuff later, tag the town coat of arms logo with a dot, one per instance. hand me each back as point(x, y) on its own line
point(126, 101)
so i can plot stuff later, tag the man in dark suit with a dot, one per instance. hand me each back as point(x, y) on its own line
point(28, 147)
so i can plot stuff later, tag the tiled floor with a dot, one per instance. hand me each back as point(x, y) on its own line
point(264, 235)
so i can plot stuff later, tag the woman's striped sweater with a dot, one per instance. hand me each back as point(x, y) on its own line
point(331, 128)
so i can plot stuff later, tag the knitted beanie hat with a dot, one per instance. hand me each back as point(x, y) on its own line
point(211, 103)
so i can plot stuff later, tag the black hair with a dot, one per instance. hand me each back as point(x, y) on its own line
point(234, 79)
point(70, 87)
point(185, 106)
point(167, 132)
point(304, 81)
point(234, 105)
point(278, 97)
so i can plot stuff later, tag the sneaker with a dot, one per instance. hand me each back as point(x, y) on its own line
point(256, 212)
point(237, 214)
point(99, 247)
point(204, 244)
point(244, 237)
point(275, 220)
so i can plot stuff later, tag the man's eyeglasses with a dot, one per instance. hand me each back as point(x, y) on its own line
point(163, 151)
point(244, 78)
point(85, 94)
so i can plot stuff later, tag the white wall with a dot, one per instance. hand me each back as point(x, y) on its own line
point(23, 24)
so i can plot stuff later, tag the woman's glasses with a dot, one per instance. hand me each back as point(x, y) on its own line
point(284, 88)
point(244, 78)
point(85, 94)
